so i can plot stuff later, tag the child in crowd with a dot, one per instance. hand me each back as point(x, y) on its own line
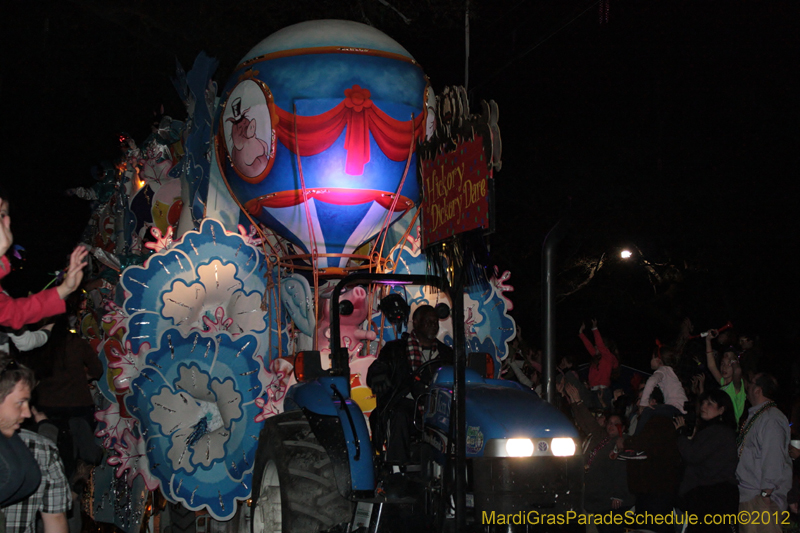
point(664, 378)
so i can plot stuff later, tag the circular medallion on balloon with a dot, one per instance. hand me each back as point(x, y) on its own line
point(246, 130)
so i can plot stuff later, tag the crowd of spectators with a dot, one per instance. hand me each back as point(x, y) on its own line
point(703, 433)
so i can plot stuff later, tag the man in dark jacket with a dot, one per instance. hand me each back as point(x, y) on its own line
point(654, 467)
point(392, 378)
point(605, 480)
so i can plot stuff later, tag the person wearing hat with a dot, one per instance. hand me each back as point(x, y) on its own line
point(391, 378)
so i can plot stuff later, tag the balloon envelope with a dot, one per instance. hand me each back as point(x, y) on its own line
point(315, 130)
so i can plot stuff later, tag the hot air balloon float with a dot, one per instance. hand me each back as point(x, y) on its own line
point(316, 135)
point(314, 142)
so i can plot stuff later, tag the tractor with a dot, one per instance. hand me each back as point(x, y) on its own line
point(316, 469)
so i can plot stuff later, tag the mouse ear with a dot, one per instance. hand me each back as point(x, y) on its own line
point(394, 308)
point(442, 311)
point(346, 308)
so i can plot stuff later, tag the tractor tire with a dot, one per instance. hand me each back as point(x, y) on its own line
point(294, 488)
point(435, 498)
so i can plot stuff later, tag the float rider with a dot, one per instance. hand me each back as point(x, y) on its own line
point(392, 378)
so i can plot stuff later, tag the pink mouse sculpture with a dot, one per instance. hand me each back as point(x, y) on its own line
point(351, 332)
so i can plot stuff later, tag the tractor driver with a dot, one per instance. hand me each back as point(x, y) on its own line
point(391, 378)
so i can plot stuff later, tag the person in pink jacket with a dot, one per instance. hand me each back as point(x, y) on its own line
point(602, 365)
point(16, 312)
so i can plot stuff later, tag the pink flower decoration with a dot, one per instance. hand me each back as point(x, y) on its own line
point(469, 323)
point(218, 323)
point(500, 286)
point(129, 363)
point(115, 425)
point(162, 242)
point(251, 237)
point(115, 315)
point(133, 457)
point(280, 377)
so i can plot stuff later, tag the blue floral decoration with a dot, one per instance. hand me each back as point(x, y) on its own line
point(210, 280)
point(195, 402)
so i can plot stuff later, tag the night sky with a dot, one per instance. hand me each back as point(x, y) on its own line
point(673, 128)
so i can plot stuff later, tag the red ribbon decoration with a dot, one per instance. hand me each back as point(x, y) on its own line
point(357, 111)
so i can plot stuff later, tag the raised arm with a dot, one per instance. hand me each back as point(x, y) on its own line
point(6, 237)
point(605, 353)
point(583, 417)
point(589, 347)
point(711, 363)
point(30, 340)
point(516, 366)
point(652, 381)
point(16, 312)
point(77, 260)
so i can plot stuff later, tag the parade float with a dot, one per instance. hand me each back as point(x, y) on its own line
point(218, 241)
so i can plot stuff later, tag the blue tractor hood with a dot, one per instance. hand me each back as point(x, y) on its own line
point(501, 409)
point(503, 412)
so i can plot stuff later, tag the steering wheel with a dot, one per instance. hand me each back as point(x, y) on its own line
point(425, 372)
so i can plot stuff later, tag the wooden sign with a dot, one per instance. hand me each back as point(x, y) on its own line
point(455, 192)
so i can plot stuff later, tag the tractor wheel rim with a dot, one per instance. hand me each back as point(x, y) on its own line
point(268, 517)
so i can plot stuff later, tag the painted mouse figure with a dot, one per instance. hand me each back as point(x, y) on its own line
point(250, 155)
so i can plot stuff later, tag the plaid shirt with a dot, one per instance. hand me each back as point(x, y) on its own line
point(53, 495)
point(416, 356)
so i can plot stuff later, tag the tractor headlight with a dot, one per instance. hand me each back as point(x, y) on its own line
point(562, 447)
point(519, 447)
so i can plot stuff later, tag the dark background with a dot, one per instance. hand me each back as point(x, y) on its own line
point(672, 129)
